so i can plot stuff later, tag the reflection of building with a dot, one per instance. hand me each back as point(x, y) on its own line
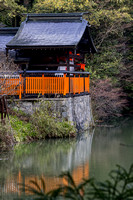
point(75, 160)
point(12, 186)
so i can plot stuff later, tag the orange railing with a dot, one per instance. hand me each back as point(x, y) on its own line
point(43, 84)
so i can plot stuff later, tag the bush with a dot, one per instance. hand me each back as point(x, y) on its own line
point(6, 136)
point(23, 131)
point(50, 125)
point(108, 101)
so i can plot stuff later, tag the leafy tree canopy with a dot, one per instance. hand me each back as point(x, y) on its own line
point(9, 9)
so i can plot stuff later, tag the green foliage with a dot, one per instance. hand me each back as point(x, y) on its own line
point(9, 9)
point(6, 136)
point(50, 125)
point(106, 64)
point(119, 186)
point(23, 131)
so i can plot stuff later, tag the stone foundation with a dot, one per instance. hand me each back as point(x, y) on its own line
point(74, 109)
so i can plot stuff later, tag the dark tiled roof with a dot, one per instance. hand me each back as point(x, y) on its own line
point(6, 34)
point(45, 30)
point(4, 39)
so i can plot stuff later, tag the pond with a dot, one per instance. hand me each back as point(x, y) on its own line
point(92, 154)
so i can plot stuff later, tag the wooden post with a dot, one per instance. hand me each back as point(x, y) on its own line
point(20, 82)
point(42, 84)
point(69, 84)
point(68, 66)
point(79, 88)
point(88, 83)
point(64, 93)
point(84, 83)
point(74, 84)
point(24, 84)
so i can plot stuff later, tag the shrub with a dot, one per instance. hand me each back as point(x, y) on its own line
point(108, 101)
point(23, 131)
point(50, 125)
point(6, 136)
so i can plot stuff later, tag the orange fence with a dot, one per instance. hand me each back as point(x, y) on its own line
point(44, 85)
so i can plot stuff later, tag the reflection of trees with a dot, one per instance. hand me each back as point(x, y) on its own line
point(51, 157)
point(108, 151)
point(48, 158)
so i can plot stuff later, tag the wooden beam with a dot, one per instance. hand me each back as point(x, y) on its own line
point(53, 65)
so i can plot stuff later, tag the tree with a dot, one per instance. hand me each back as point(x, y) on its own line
point(9, 11)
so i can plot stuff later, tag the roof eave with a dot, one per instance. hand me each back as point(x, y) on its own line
point(41, 47)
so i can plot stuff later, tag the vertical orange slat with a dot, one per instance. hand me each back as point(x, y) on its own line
point(35, 80)
point(74, 84)
point(38, 88)
point(25, 85)
point(42, 84)
point(30, 79)
point(32, 88)
point(79, 89)
point(52, 85)
point(20, 86)
point(88, 83)
point(59, 86)
point(55, 84)
point(36, 84)
point(64, 93)
point(29, 84)
point(56, 81)
point(45, 85)
point(48, 85)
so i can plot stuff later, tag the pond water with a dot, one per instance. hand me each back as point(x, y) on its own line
point(92, 154)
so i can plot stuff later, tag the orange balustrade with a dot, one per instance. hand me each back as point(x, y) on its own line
point(44, 85)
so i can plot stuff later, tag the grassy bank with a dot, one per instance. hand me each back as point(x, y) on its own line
point(40, 125)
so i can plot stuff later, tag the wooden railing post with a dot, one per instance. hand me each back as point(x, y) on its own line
point(24, 83)
point(20, 82)
point(69, 84)
point(88, 83)
point(42, 84)
point(79, 88)
point(74, 80)
point(64, 93)
point(84, 83)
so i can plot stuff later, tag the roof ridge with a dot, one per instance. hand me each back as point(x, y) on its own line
point(54, 16)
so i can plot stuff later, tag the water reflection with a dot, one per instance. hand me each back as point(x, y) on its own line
point(111, 146)
point(46, 159)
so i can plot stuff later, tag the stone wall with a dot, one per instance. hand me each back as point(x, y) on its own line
point(75, 109)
